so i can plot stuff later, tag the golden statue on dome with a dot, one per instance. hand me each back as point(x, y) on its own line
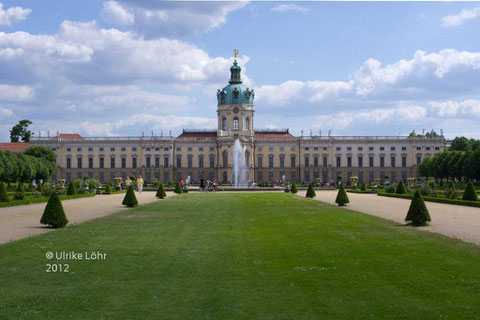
point(235, 54)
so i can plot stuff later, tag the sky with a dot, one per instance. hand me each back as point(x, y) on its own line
point(120, 68)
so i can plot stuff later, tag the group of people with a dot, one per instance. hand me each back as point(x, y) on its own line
point(208, 185)
point(128, 183)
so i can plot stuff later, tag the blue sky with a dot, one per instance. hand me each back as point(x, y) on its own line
point(127, 66)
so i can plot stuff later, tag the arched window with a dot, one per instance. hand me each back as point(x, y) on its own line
point(225, 158)
point(235, 123)
point(247, 123)
point(225, 177)
point(224, 124)
point(247, 159)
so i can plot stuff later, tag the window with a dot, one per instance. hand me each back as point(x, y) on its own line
point(370, 162)
point(270, 176)
point(307, 148)
point(419, 148)
point(157, 162)
point(419, 160)
point(270, 149)
point(282, 149)
point(404, 162)
point(325, 161)
point(90, 163)
point(165, 162)
point(124, 162)
point(212, 161)
point(247, 123)
point(339, 148)
point(101, 149)
point(260, 177)
point(148, 161)
point(212, 149)
point(179, 149)
point(260, 149)
point(79, 162)
point(292, 161)
point(371, 176)
point(200, 161)
point(134, 149)
point(102, 162)
point(382, 148)
point(404, 148)
point(427, 148)
point(370, 148)
point(349, 162)
point(349, 148)
point(235, 123)
point(124, 149)
point(325, 148)
point(392, 162)
point(307, 161)
point(134, 162)
point(282, 161)
point(437, 148)
point(69, 149)
point(360, 148)
point(179, 161)
point(164, 149)
point(247, 159)
point(147, 149)
point(224, 124)
point(392, 148)
point(190, 149)
point(360, 161)
point(190, 161)
point(200, 149)
point(112, 149)
point(339, 161)
point(270, 161)
point(90, 149)
point(225, 158)
point(79, 149)
point(112, 162)
point(69, 163)
point(307, 176)
point(260, 161)
point(292, 148)
point(315, 162)
point(315, 148)
point(382, 161)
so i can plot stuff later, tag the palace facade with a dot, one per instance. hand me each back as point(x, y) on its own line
point(269, 154)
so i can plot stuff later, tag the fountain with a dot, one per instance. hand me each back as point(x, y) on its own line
point(239, 167)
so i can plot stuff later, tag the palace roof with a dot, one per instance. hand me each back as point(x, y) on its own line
point(14, 147)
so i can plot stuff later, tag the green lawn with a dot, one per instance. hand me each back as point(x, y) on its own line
point(242, 256)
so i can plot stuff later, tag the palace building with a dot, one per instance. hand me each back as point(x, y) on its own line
point(269, 154)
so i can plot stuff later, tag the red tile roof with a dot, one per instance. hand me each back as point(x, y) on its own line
point(274, 135)
point(14, 147)
point(70, 136)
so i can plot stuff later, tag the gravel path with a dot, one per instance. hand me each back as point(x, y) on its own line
point(453, 221)
point(24, 221)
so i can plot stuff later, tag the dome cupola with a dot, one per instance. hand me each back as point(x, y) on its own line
point(235, 92)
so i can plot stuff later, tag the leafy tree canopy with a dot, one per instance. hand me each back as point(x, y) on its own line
point(20, 131)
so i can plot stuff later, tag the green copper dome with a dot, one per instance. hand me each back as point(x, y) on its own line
point(235, 92)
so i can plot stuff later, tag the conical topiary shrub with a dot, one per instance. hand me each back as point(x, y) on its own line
point(342, 198)
point(451, 186)
point(364, 187)
point(178, 189)
point(53, 215)
point(3, 193)
point(108, 189)
point(19, 194)
point(401, 188)
point(130, 199)
point(310, 191)
point(418, 213)
point(161, 194)
point(71, 189)
point(294, 188)
point(470, 193)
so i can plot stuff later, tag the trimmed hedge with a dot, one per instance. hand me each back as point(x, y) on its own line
point(28, 201)
point(3, 193)
point(71, 189)
point(108, 189)
point(470, 194)
point(161, 194)
point(310, 191)
point(178, 188)
point(401, 188)
point(130, 200)
point(433, 199)
point(342, 198)
point(418, 214)
point(19, 194)
point(54, 215)
point(294, 188)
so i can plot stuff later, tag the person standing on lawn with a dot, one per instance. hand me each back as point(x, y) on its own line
point(140, 183)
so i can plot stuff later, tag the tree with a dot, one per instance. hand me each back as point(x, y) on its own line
point(54, 215)
point(342, 198)
point(310, 191)
point(19, 194)
point(47, 166)
point(130, 199)
point(401, 188)
point(3, 193)
point(108, 189)
point(20, 132)
point(418, 213)
point(178, 189)
point(460, 144)
point(425, 167)
point(71, 190)
point(470, 194)
point(161, 194)
point(294, 188)
point(472, 165)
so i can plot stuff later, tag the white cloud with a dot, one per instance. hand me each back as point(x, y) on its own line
point(4, 112)
point(11, 93)
point(114, 13)
point(12, 15)
point(154, 19)
point(467, 108)
point(459, 18)
point(289, 7)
